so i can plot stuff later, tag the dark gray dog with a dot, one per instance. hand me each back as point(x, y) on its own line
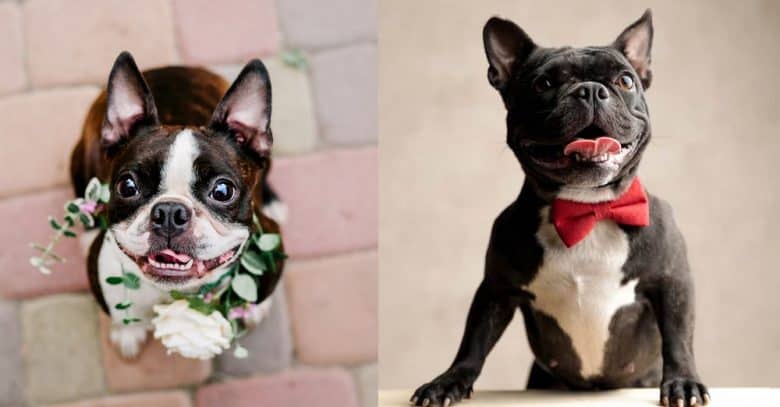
point(597, 267)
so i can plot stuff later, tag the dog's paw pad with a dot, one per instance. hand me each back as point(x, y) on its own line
point(128, 339)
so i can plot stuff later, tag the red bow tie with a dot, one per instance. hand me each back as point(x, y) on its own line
point(574, 220)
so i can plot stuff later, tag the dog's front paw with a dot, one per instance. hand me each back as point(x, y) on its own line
point(449, 388)
point(683, 392)
point(128, 339)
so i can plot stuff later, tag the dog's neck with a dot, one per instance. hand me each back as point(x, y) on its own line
point(604, 193)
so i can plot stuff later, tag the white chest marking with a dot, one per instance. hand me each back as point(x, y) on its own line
point(581, 286)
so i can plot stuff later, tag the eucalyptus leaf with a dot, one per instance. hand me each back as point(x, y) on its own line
point(198, 304)
point(70, 220)
point(240, 352)
point(128, 321)
point(54, 224)
point(123, 305)
point(253, 263)
point(36, 261)
point(92, 192)
point(245, 287)
point(87, 220)
point(131, 280)
point(68, 233)
point(268, 242)
point(71, 207)
point(114, 280)
point(105, 193)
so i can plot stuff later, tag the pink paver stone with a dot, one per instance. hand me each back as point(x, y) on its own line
point(332, 197)
point(333, 306)
point(299, 388)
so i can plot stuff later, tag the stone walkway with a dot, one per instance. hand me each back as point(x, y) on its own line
point(319, 345)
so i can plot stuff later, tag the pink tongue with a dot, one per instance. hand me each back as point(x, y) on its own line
point(593, 148)
point(169, 254)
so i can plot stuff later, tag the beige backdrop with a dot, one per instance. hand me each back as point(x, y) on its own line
point(445, 172)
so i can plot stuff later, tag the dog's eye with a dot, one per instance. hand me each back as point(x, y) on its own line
point(543, 84)
point(126, 187)
point(626, 82)
point(223, 191)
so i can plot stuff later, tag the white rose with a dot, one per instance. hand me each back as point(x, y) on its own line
point(190, 333)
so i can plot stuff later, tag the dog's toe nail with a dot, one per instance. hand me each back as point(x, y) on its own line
point(680, 403)
point(706, 398)
point(426, 402)
point(447, 402)
point(693, 401)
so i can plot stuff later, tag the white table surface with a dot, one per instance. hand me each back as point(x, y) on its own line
point(745, 396)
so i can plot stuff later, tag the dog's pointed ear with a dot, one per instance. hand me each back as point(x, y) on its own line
point(506, 44)
point(245, 110)
point(635, 43)
point(129, 102)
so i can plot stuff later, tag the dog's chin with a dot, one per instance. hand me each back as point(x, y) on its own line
point(173, 270)
point(550, 162)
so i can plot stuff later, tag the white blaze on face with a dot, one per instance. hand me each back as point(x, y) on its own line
point(177, 174)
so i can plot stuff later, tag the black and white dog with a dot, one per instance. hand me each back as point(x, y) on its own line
point(597, 267)
point(186, 158)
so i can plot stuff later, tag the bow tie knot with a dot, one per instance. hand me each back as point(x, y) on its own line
point(574, 220)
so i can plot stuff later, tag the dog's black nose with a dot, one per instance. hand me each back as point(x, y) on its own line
point(170, 219)
point(592, 92)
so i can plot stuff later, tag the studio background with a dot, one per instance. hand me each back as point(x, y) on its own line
point(318, 345)
point(445, 173)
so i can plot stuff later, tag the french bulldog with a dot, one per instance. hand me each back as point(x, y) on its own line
point(596, 265)
point(186, 158)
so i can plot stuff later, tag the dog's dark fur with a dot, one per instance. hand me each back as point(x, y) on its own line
point(654, 334)
point(176, 98)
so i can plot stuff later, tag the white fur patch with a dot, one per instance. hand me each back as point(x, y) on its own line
point(580, 287)
point(112, 262)
point(177, 174)
point(587, 194)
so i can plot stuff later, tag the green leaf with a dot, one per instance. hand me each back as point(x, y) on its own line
point(269, 257)
point(128, 321)
point(198, 304)
point(54, 224)
point(269, 241)
point(123, 305)
point(240, 352)
point(70, 220)
point(176, 295)
point(105, 193)
point(131, 280)
point(71, 207)
point(245, 287)
point(253, 263)
point(114, 280)
point(259, 227)
point(69, 233)
point(294, 58)
point(92, 192)
point(86, 220)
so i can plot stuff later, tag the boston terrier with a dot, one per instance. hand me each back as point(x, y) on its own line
point(186, 159)
point(596, 265)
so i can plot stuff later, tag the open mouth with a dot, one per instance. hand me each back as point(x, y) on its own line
point(170, 265)
point(591, 146)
